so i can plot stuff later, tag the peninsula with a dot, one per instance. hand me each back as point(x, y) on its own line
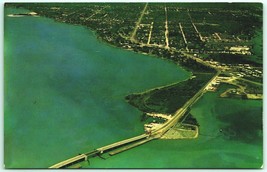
point(218, 43)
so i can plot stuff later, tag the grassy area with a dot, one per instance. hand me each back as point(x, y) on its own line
point(234, 59)
point(115, 22)
point(189, 119)
point(170, 98)
point(254, 79)
point(253, 88)
point(257, 48)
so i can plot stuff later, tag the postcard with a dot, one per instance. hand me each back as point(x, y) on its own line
point(133, 85)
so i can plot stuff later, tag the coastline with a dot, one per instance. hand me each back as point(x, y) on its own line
point(131, 116)
point(99, 38)
point(104, 41)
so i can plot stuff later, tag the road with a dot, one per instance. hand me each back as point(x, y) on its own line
point(120, 143)
point(180, 112)
point(185, 41)
point(200, 37)
point(166, 29)
point(199, 60)
point(155, 134)
point(246, 80)
point(253, 82)
point(150, 33)
point(81, 157)
point(137, 24)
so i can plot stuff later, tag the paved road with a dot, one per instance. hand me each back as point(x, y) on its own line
point(180, 112)
point(166, 29)
point(120, 143)
point(67, 162)
point(138, 23)
point(153, 135)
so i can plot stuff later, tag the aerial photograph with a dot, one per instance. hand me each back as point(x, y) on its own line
point(140, 85)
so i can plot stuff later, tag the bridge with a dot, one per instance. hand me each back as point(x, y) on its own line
point(71, 161)
point(123, 142)
point(160, 131)
point(83, 157)
point(180, 112)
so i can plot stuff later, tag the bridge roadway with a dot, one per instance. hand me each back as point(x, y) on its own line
point(180, 112)
point(120, 143)
point(84, 156)
point(69, 162)
point(153, 135)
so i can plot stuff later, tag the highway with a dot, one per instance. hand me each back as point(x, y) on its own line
point(120, 143)
point(153, 135)
point(137, 24)
point(84, 156)
point(171, 121)
point(180, 112)
point(70, 161)
point(166, 29)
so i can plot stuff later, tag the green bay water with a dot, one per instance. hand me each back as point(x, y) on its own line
point(230, 137)
point(64, 95)
point(64, 90)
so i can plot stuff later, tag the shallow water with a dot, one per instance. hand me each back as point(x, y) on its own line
point(64, 90)
point(64, 95)
point(230, 148)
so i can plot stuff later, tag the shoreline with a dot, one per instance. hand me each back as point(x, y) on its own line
point(163, 87)
point(104, 41)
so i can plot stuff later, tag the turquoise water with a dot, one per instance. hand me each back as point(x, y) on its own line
point(64, 95)
point(64, 90)
point(231, 148)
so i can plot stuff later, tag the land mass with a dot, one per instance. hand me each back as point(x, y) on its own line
point(201, 37)
point(218, 43)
